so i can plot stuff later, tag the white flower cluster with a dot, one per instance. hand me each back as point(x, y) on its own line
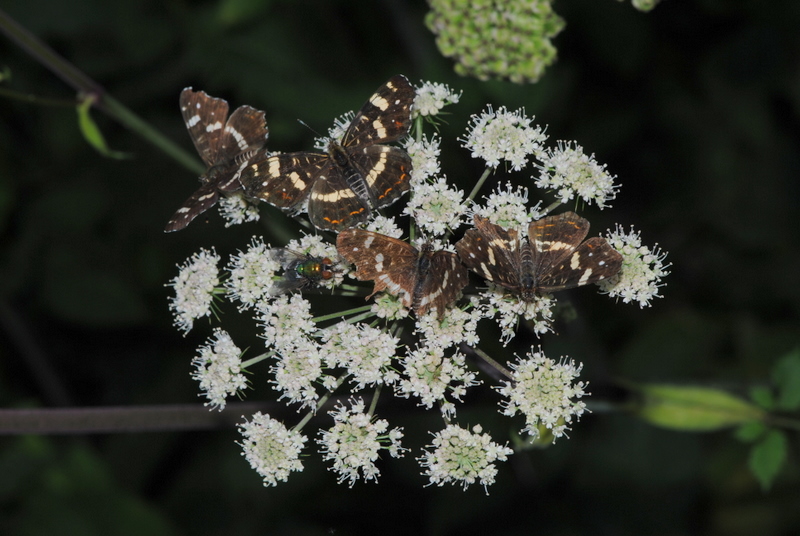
point(382, 346)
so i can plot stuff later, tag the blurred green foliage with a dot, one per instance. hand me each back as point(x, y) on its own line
point(695, 106)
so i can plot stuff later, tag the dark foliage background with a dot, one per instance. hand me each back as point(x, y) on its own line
point(694, 106)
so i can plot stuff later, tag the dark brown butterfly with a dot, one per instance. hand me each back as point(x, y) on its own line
point(423, 280)
point(553, 257)
point(226, 146)
point(354, 177)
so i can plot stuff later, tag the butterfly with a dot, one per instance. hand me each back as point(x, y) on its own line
point(553, 257)
point(300, 271)
point(225, 144)
point(423, 279)
point(355, 176)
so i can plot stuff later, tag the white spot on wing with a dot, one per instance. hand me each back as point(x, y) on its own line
point(193, 121)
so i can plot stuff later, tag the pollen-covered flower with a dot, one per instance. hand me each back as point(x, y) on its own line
point(389, 307)
point(429, 376)
point(571, 172)
point(452, 329)
point(436, 207)
point(424, 158)
point(251, 274)
point(503, 135)
point(336, 132)
point(286, 320)
point(385, 226)
point(218, 368)
point(509, 308)
point(237, 210)
point(544, 391)
point(271, 449)
point(195, 287)
point(458, 456)
point(365, 352)
point(432, 97)
point(297, 370)
point(508, 207)
point(354, 442)
point(642, 269)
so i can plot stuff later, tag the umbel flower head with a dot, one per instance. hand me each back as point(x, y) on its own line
point(496, 38)
point(343, 354)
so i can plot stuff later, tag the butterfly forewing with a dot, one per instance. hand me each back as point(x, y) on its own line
point(205, 117)
point(593, 261)
point(385, 117)
point(284, 180)
point(554, 239)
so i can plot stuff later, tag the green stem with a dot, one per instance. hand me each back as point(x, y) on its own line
point(342, 314)
point(479, 184)
point(322, 400)
point(374, 403)
point(83, 84)
point(483, 355)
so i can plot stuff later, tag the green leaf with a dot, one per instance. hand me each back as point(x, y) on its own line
point(751, 431)
point(767, 457)
point(695, 409)
point(763, 397)
point(91, 132)
point(786, 375)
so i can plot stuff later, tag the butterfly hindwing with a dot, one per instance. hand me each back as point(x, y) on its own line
point(201, 200)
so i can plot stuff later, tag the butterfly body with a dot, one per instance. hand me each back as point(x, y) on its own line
point(354, 176)
point(553, 257)
point(225, 144)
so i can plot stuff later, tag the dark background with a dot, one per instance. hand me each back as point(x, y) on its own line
point(694, 106)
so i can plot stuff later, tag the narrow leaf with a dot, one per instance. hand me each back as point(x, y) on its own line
point(695, 409)
point(91, 132)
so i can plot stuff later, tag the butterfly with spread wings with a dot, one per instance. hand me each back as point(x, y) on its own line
point(423, 280)
point(553, 257)
point(225, 144)
point(357, 174)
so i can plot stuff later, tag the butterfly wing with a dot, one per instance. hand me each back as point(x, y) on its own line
point(385, 117)
point(593, 261)
point(284, 180)
point(203, 199)
point(492, 252)
point(553, 240)
point(245, 131)
point(205, 117)
point(389, 262)
point(441, 279)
